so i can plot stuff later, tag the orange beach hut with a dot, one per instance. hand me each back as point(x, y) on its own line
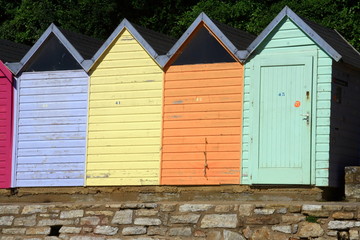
point(202, 105)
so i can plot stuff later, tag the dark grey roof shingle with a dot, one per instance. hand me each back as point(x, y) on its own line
point(161, 43)
point(336, 41)
point(85, 45)
point(239, 38)
point(11, 51)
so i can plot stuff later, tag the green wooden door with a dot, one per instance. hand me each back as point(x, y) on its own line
point(284, 136)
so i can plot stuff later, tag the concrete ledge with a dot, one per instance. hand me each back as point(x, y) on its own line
point(162, 193)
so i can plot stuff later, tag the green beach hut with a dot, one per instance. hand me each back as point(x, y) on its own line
point(301, 105)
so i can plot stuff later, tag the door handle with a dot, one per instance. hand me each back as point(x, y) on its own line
point(306, 117)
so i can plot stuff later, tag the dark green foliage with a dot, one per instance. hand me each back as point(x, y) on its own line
point(311, 219)
point(25, 20)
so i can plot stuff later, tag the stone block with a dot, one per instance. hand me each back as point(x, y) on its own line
point(123, 217)
point(224, 208)
point(137, 230)
point(195, 207)
point(263, 220)
point(332, 207)
point(86, 238)
point(229, 235)
point(9, 209)
point(246, 209)
point(38, 231)
point(214, 235)
point(147, 221)
point(282, 228)
point(349, 208)
point(292, 218)
point(132, 205)
point(71, 214)
point(343, 215)
point(354, 235)
point(219, 220)
point(294, 208)
point(261, 234)
point(311, 207)
point(247, 232)
point(53, 238)
point(51, 222)
point(25, 221)
point(199, 233)
point(100, 213)
point(92, 220)
point(146, 212)
point(150, 205)
point(340, 225)
point(31, 209)
point(281, 210)
point(310, 230)
point(14, 231)
point(106, 230)
point(321, 214)
point(153, 230)
point(187, 218)
point(65, 229)
point(264, 211)
point(6, 220)
point(168, 207)
point(180, 231)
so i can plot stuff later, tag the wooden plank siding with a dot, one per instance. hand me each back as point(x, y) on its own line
point(288, 40)
point(51, 128)
point(124, 116)
point(6, 123)
point(345, 126)
point(202, 124)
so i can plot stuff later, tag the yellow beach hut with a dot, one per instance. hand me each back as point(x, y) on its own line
point(125, 108)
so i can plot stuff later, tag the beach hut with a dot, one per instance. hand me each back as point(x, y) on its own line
point(203, 91)
point(9, 52)
point(51, 101)
point(301, 108)
point(125, 103)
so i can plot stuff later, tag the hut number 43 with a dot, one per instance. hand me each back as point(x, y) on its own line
point(281, 94)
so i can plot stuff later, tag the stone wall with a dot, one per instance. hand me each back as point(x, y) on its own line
point(352, 183)
point(180, 220)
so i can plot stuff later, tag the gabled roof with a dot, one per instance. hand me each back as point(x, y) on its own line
point(233, 39)
point(85, 45)
point(155, 44)
point(75, 40)
point(11, 51)
point(328, 40)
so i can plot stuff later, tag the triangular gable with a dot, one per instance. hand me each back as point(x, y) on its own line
point(202, 48)
point(5, 71)
point(224, 40)
point(52, 30)
point(287, 12)
point(133, 29)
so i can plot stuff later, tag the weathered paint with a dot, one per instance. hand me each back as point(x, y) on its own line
point(6, 125)
point(124, 125)
point(288, 41)
point(202, 124)
point(51, 128)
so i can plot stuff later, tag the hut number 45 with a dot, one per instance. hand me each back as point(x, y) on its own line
point(281, 94)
